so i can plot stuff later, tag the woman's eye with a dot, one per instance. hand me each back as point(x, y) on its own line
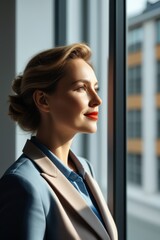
point(96, 89)
point(80, 89)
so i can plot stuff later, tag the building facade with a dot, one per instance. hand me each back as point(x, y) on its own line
point(143, 124)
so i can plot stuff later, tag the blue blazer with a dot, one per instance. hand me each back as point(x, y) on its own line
point(37, 202)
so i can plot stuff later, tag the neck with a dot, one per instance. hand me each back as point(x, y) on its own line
point(59, 145)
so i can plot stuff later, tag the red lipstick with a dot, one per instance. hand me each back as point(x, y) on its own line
point(92, 115)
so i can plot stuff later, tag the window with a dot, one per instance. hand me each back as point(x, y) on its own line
point(134, 168)
point(134, 80)
point(158, 30)
point(135, 39)
point(158, 123)
point(143, 155)
point(158, 76)
point(158, 173)
point(134, 123)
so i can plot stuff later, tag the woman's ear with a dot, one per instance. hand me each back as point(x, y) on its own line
point(40, 100)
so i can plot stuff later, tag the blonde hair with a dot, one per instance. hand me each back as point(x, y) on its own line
point(42, 72)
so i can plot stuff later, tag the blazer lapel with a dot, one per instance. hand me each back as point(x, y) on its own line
point(59, 182)
point(95, 190)
point(106, 215)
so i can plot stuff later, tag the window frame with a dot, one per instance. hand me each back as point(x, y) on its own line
point(117, 115)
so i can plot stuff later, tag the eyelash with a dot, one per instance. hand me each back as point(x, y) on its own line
point(84, 88)
point(97, 89)
point(81, 88)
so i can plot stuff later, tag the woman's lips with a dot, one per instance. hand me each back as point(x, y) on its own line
point(92, 115)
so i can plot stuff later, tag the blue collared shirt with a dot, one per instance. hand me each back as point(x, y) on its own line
point(75, 179)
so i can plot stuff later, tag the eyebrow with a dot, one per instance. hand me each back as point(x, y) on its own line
point(84, 81)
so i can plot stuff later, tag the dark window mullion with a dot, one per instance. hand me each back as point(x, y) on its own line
point(116, 115)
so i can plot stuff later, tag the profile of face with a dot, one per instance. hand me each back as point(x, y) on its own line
point(73, 107)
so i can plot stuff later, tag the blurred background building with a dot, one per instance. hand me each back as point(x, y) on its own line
point(143, 124)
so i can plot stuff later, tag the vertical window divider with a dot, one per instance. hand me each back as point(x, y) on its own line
point(117, 115)
point(60, 22)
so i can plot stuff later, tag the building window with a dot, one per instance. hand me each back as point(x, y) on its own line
point(134, 80)
point(158, 123)
point(158, 173)
point(158, 30)
point(158, 76)
point(134, 123)
point(135, 39)
point(134, 168)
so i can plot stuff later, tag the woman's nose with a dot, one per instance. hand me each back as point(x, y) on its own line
point(95, 100)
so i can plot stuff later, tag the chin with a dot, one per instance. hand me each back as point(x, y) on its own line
point(91, 130)
point(87, 128)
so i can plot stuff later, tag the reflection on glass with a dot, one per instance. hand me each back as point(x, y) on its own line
point(143, 120)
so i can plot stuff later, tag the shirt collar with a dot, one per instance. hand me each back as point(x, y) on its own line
point(68, 173)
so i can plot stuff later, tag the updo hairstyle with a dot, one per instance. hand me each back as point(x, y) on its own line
point(42, 72)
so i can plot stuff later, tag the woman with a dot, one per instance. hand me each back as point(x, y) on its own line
point(49, 193)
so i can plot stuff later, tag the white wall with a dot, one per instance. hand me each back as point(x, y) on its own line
point(34, 33)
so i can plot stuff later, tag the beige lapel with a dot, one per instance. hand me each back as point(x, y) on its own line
point(95, 190)
point(106, 215)
point(58, 181)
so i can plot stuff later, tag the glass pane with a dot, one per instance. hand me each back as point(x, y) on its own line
point(143, 120)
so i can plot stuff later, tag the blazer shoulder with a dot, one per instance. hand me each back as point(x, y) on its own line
point(22, 166)
point(23, 174)
point(24, 177)
point(21, 204)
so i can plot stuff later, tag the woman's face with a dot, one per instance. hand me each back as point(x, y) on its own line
point(73, 107)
